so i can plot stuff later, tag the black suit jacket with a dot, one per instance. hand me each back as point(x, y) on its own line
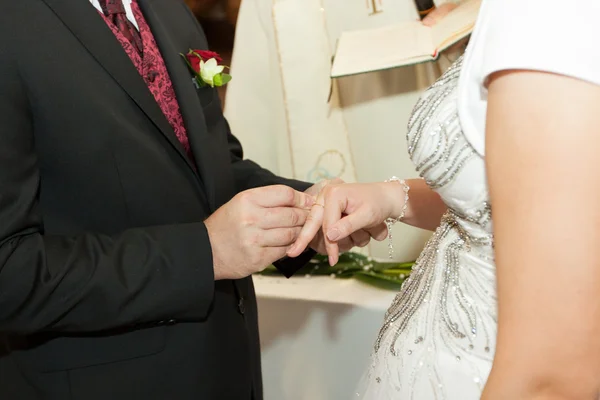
point(106, 277)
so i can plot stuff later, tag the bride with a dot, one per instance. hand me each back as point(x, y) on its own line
point(502, 305)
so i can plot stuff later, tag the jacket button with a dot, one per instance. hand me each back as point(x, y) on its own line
point(241, 306)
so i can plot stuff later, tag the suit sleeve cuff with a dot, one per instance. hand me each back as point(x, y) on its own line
point(289, 266)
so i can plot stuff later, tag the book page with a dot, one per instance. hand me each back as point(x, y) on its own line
point(456, 25)
point(382, 48)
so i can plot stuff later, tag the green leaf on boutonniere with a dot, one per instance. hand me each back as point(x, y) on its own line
point(221, 79)
point(225, 78)
point(218, 80)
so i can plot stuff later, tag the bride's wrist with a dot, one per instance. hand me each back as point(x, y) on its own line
point(395, 192)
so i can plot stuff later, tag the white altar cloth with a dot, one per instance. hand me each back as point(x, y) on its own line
point(316, 335)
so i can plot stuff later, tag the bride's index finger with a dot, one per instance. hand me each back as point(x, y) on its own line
point(310, 229)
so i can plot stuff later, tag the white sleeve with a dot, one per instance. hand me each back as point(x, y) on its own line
point(555, 36)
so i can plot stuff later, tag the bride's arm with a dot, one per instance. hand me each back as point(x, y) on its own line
point(343, 209)
point(542, 155)
point(424, 208)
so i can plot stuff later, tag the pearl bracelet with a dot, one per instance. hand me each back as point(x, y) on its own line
point(391, 221)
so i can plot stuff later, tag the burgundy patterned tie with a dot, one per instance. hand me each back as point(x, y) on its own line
point(115, 12)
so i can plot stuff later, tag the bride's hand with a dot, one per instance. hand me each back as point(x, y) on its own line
point(343, 209)
point(359, 238)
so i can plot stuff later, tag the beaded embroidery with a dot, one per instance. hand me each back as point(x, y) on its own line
point(447, 307)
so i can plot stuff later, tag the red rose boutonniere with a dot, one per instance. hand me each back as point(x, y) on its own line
point(207, 68)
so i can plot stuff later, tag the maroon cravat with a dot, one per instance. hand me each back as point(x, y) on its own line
point(115, 12)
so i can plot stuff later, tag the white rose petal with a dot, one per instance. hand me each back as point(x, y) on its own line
point(209, 69)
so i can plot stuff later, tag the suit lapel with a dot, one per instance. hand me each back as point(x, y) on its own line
point(82, 19)
point(208, 154)
point(212, 158)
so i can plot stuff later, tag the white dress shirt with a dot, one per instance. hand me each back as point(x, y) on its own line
point(128, 11)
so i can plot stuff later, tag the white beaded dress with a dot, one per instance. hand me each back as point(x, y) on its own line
point(438, 336)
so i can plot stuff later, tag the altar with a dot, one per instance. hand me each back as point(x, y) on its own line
point(316, 335)
point(292, 118)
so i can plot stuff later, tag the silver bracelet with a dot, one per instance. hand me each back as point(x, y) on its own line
point(391, 221)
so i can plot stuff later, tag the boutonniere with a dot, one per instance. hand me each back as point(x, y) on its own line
point(207, 68)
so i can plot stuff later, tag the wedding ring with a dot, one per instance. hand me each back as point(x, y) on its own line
point(320, 205)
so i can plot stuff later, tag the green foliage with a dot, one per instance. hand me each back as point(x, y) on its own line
point(386, 275)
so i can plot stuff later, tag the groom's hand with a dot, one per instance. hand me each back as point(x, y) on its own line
point(360, 238)
point(255, 228)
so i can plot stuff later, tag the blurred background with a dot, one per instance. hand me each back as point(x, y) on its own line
point(218, 18)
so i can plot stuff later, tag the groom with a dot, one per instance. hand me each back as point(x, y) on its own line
point(125, 244)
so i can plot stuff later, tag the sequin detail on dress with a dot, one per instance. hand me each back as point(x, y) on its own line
point(438, 336)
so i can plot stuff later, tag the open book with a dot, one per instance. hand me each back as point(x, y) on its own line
point(402, 44)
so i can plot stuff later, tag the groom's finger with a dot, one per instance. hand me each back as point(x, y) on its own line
point(310, 229)
point(282, 217)
point(279, 237)
point(280, 196)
